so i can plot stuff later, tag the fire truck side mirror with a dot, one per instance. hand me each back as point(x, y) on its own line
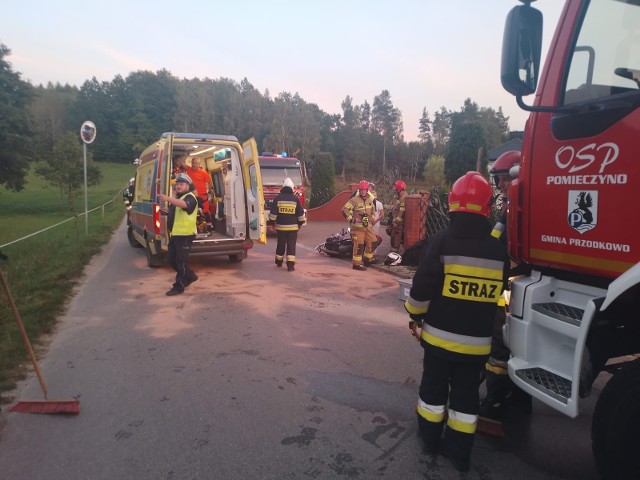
point(521, 49)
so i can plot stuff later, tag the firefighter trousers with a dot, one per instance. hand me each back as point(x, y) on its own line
point(363, 240)
point(396, 240)
point(456, 381)
point(286, 242)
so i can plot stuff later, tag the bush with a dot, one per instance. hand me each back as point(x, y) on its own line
point(323, 184)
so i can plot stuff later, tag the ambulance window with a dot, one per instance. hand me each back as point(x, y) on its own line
point(253, 178)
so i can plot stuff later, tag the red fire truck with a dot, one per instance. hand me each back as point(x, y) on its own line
point(571, 218)
point(274, 169)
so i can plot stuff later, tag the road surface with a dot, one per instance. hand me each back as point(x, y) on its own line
point(253, 373)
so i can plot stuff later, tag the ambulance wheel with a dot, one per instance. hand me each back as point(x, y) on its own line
point(615, 426)
point(132, 240)
point(154, 260)
point(236, 258)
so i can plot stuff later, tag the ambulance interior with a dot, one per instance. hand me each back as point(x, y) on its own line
point(228, 215)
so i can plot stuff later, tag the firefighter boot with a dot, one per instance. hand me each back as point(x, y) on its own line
point(456, 447)
point(429, 433)
point(279, 261)
point(496, 403)
point(290, 266)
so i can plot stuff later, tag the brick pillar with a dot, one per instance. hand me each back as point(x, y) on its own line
point(415, 217)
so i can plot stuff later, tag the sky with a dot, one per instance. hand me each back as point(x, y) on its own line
point(426, 53)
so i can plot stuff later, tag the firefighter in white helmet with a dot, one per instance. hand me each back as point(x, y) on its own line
point(288, 216)
point(453, 299)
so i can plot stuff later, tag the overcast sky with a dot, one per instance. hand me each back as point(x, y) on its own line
point(427, 53)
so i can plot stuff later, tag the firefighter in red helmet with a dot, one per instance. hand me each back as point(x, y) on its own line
point(501, 392)
point(453, 300)
point(358, 211)
point(396, 224)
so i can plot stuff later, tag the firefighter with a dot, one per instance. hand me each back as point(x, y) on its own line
point(501, 392)
point(181, 222)
point(396, 228)
point(453, 299)
point(359, 211)
point(128, 195)
point(288, 216)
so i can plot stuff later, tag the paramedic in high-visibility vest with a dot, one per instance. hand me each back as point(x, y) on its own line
point(288, 216)
point(181, 222)
point(453, 300)
point(359, 211)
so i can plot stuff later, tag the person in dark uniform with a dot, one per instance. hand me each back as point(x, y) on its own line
point(501, 392)
point(453, 299)
point(128, 194)
point(181, 222)
point(288, 216)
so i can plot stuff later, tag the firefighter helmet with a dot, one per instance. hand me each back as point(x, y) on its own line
point(183, 177)
point(393, 259)
point(399, 185)
point(363, 185)
point(504, 163)
point(471, 193)
point(287, 183)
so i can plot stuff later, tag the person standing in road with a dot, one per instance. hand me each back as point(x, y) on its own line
point(396, 229)
point(379, 211)
point(501, 392)
point(128, 194)
point(358, 211)
point(288, 216)
point(453, 299)
point(181, 223)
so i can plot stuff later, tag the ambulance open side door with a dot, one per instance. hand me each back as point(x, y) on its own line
point(254, 193)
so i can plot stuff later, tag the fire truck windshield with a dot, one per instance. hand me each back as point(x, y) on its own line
point(276, 175)
point(605, 65)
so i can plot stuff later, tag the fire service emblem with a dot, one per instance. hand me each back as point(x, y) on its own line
point(583, 210)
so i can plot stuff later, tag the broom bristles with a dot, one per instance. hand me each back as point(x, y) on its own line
point(68, 407)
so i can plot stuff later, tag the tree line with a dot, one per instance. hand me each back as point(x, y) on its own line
point(38, 123)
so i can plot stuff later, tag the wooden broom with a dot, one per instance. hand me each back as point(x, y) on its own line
point(68, 406)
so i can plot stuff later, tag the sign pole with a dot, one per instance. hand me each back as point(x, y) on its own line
point(88, 135)
point(86, 207)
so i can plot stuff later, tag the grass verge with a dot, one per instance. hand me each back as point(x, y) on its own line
point(43, 269)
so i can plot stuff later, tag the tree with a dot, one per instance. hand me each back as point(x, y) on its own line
point(65, 169)
point(425, 127)
point(441, 130)
point(465, 141)
point(433, 172)
point(323, 178)
point(16, 132)
point(387, 121)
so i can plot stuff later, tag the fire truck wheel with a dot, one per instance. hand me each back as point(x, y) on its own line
point(616, 423)
point(132, 240)
point(154, 260)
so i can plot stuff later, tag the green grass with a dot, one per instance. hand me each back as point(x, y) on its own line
point(43, 269)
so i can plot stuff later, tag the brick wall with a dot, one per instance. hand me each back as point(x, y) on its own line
point(415, 218)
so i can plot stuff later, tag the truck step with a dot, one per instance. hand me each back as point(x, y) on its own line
point(548, 382)
point(560, 311)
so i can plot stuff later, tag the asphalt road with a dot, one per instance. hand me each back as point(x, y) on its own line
point(253, 373)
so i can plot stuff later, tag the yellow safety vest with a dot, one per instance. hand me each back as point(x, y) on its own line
point(184, 223)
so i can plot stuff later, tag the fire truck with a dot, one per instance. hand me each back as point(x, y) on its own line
point(571, 218)
point(274, 169)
